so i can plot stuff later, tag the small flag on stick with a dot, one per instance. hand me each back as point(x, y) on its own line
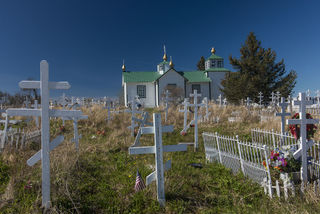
point(139, 183)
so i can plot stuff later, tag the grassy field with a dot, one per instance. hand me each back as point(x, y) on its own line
point(100, 177)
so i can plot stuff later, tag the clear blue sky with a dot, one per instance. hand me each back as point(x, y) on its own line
point(85, 41)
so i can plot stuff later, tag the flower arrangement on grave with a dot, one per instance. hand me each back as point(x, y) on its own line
point(62, 129)
point(282, 162)
point(183, 133)
point(295, 129)
point(103, 133)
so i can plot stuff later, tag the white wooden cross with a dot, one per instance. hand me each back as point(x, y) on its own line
point(248, 101)
point(107, 105)
point(206, 105)
point(166, 105)
point(158, 149)
point(278, 95)
point(225, 102)
point(45, 113)
point(4, 132)
point(260, 99)
point(185, 111)
point(26, 102)
point(283, 114)
point(142, 122)
point(196, 105)
point(308, 93)
point(219, 100)
point(304, 143)
point(273, 99)
point(133, 112)
point(289, 100)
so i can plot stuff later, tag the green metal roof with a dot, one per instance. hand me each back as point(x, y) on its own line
point(143, 76)
point(195, 76)
point(151, 76)
point(213, 56)
point(217, 70)
point(163, 62)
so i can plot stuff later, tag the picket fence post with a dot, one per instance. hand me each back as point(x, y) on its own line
point(240, 156)
point(217, 138)
point(265, 148)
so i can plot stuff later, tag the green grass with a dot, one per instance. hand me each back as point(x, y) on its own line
point(101, 179)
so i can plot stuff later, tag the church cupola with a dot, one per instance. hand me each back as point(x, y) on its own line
point(163, 66)
point(214, 61)
point(123, 67)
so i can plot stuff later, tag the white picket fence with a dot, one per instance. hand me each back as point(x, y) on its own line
point(238, 156)
point(273, 139)
point(18, 139)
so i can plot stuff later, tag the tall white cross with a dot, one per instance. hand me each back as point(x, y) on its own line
point(185, 111)
point(158, 149)
point(196, 105)
point(133, 112)
point(308, 93)
point(45, 113)
point(142, 123)
point(206, 105)
point(283, 114)
point(304, 143)
point(278, 95)
point(166, 104)
point(260, 99)
point(273, 99)
point(248, 101)
point(225, 102)
point(219, 100)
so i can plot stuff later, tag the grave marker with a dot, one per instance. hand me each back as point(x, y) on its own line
point(283, 114)
point(304, 144)
point(45, 113)
point(260, 99)
point(185, 111)
point(158, 149)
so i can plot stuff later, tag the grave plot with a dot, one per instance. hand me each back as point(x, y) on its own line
point(158, 149)
point(45, 113)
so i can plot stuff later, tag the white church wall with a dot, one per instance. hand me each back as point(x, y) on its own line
point(216, 78)
point(171, 77)
point(204, 87)
point(150, 99)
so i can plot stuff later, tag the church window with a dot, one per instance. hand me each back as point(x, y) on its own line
point(219, 64)
point(196, 87)
point(171, 86)
point(141, 91)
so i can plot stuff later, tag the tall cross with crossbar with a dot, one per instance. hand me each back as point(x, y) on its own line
point(158, 149)
point(45, 113)
point(283, 114)
point(260, 99)
point(304, 143)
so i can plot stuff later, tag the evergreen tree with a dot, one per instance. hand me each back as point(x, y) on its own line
point(256, 71)
point(201, 64)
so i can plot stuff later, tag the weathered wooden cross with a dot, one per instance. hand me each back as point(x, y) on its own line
point(273, 99)
point(220, 100)
point(45, 113)
point(206, 105)
point(166, 105)
point(225, 102)
point(185, 111)
point(304, 143)
point(248, 102)
point(283, 114)
point(133, 112)
point(194, 122)
point(278, 95)
point(318, 98)
point(260, 99)
point(158, 149)
point(142, 123)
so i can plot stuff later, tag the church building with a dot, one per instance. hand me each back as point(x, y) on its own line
point(150, 85)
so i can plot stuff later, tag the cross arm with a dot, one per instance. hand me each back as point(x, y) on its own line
point(151, 177)
point(64, 113)
point(298, 121)
point(24, 112)
point(36, 85)
point(150, 130)
point(141, 150)
point(283, 114)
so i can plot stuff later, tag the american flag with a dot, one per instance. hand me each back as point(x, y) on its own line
point(139, 183)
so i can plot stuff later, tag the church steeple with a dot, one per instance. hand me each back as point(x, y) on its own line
point(214, 61)
point(171, 63)
point(164, 53)
point(123, 67)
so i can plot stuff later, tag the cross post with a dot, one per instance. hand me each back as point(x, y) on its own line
point(283, 114)
point(158, 149)
point(304, 143)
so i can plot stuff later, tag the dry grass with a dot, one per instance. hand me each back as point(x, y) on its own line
point(102, 171)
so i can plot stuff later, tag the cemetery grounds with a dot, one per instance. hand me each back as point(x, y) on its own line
point(100, 178)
